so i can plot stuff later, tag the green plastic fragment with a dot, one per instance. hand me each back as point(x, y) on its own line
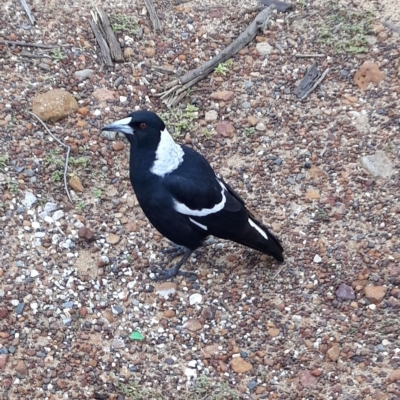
point(136, 336)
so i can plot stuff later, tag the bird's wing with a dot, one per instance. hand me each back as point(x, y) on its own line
point(200, 195)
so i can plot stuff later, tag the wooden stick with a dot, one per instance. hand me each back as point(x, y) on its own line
point(166, 70)
point(391, 26)
point(62, 144)
point(105, 51)
point(24, 44)
point(317, 82)
point(153, 15)
point(104, 23)
point(308, 55)
point(241, 41)
point(196, 75)
point(26, 53)
point(28, 11)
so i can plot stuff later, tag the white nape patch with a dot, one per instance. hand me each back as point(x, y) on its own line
point(120, 126)
point(198, 224)
point(183, 209)
point(169, 155)
point(258, 229)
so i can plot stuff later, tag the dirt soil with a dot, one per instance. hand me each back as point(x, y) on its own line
point(80, 316)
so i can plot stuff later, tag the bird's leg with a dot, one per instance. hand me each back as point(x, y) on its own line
point(175, 270)
point(174, 250)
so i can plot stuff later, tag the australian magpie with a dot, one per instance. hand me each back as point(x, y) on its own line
point(182, 196)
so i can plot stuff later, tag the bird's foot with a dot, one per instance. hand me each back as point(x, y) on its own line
point(174, 250)
point(161, 275)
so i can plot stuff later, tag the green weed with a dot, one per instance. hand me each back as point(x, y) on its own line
point(81, 205)
point(3, 162)
point(345, 31)
point(57, 55)
point(57, 175)
point(98, 193)
point(223, 68)
point(249, 131)
point(205, 389)
point(181, 120)
point(53, 158)
point(124, 23)
point(78, 161)
point(208, 133)
point(11, 185)
point(134, 391)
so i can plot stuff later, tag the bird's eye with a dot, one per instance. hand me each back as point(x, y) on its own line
point(143, 125)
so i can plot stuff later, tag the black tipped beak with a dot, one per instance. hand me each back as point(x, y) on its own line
point(120, 126)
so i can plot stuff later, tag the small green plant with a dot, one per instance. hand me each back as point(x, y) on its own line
point(321, 215)
point(81, 205)
point(57, 55)
point(181, 120)
point(97, 193)
point(352, 331)
point(205, 389)
point(54, 158)
point(346, 31)
point(223, 68)
point(302, 3)
point(124, 23)
point(11, 185)
point(208, 133)
point(249, 131)
point(3, 162)
point(78, 161)
point(57, 175)
point(134, 391)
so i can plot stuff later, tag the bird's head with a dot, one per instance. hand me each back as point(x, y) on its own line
point(145, 125)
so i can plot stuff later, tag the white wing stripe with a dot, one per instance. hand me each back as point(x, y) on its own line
point(183, 209)
point(258, 229)
point(198, 224)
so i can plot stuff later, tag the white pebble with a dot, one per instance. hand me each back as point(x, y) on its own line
point(58, 215)
point(190, 373)
point(35, 225)
point(317, 258)
point(192, 364)
point(34, 305)
point(372, 307)
point(195, 298)
point(48, 219)
point(34, 273)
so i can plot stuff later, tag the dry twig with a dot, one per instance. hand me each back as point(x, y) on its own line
point(28, 11)
point(66, 157)
point(279, 271)
point(24, 44)
point(393, 27)
point(308, 55)
point(316, 83)
point(153, 15)
point(105, 51)
point(103, 22)
point(179, 86)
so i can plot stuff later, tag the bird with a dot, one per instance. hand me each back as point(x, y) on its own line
point(182, 196)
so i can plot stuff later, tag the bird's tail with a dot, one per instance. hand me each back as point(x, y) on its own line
point(258, 237)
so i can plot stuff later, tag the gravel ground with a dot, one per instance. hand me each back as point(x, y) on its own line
point(80, 316)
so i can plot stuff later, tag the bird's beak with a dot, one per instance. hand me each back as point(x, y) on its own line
point(120, 126)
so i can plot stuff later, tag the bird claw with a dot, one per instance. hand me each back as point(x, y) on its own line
point(160, 275)
point(174, 251)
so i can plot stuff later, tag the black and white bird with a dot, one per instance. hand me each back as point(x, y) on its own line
point(182, 196)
